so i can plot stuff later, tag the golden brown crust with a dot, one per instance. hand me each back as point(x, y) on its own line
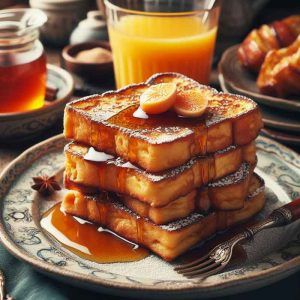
point(227, 193)
point(163, 141)
point(157, 189)
point(168, 241)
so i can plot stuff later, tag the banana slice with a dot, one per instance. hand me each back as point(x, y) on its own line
point(190, 103)
point(158, 98)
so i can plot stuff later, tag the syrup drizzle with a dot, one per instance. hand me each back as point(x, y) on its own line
point(101, 229)
point(88, 240)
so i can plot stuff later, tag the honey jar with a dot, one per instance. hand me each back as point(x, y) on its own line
point(22, 60)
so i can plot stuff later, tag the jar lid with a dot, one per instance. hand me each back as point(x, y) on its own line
point(56, 4)
point(61, 2)
point(20, 26)
point(20, 20)
point(94, 20)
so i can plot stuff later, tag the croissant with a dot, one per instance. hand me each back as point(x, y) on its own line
point(259, 42)
point(280, 73)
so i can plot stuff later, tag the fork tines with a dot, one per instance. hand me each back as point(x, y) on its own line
point(202, 267)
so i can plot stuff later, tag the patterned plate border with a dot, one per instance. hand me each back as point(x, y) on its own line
point(134, 288)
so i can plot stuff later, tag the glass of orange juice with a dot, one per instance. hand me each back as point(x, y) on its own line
point(154, 36)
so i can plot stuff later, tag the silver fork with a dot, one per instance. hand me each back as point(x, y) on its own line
point(218, 258)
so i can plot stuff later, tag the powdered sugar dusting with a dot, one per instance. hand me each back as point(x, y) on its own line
point(256, 192)
point(172, 226)
point(120, 206)
point(129, 165)
point(173, 172)
point(181, 223)
point(230, 148)
point(233, 178)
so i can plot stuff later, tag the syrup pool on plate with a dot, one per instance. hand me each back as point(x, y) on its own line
point(88, 240)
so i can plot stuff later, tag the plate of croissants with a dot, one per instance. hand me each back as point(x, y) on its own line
point(266, 68)
point(266, 65)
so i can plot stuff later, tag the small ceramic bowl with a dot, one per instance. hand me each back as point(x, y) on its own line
point(63, 17)
point(23, 126)
point(92, 72)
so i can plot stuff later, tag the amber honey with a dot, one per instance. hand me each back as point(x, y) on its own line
point(23, 86)
point(88, 241)
point(22, 60)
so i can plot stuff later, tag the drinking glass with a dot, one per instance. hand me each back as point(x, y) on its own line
point(153, 36)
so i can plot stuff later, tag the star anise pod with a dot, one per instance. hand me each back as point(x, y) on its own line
point(45, 185)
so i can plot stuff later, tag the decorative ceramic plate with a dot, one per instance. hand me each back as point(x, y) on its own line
point(272, 255)
point(273, 118)
point(282, 137)
point(244, 82)
point(281, 120)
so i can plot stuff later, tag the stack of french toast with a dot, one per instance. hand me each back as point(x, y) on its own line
point(162, 181)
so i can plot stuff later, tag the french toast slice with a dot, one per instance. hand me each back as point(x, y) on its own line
point(170, 240)
point(163, 141)
point(227, 193)
point(158, 189)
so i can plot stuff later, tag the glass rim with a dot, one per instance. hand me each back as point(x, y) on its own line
point(38, 23)
point(111, 6)
point(12, 34)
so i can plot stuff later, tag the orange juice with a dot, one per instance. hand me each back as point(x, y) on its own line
point(144, 45)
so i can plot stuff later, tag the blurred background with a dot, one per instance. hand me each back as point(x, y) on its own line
point(71, 22)
point(237, 17)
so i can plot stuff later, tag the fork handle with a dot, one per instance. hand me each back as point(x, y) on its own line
point(281, 216)
point(287, 213)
